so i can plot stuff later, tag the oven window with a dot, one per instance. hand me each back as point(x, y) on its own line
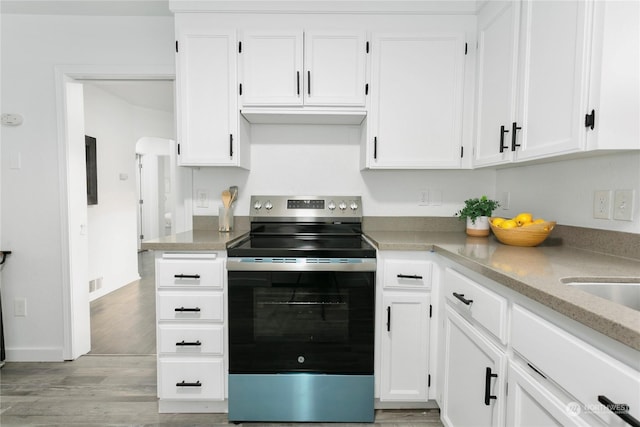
point(301, 322)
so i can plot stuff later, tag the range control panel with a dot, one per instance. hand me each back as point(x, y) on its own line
point(306, 207)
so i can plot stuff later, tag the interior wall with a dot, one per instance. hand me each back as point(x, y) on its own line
point(563, 191)
point(32, 46)
point(324, 159)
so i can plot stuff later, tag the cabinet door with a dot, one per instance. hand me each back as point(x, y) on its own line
point(206, 98)
point(530, 404)
point(473, 376)
point(497, 68)
point(272, 68)
point(405, 346)
point(416, 101)
point(553, 78)
point(334, 68)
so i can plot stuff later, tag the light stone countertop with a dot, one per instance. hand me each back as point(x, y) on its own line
point(533, 272)
point(536, 272)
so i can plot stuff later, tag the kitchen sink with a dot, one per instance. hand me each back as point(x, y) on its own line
point(625, 291)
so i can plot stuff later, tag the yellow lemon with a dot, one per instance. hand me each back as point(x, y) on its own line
point(523, 218)
point(508, 223)
point(497, 221)
point(538, 221)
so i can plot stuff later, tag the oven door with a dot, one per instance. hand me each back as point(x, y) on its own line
point(301, 321)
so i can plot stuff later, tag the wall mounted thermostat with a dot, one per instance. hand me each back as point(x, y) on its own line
point(11, 119)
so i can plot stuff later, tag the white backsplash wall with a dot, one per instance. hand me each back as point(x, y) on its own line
point(563, 191)
point(324, 159)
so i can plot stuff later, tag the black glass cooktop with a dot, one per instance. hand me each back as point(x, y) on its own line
point(303, 240)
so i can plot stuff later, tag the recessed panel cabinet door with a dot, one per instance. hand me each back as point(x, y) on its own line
point(554, 42)
point(334, 68)
point(474, 376)
point(497, 68)
point(405, 346)
point(416, 101)
point(272, 73)
point(207, 98)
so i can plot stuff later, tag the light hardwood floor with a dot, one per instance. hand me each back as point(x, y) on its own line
point(115, 384)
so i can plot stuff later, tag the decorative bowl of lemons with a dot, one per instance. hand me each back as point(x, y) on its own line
point(521, 230)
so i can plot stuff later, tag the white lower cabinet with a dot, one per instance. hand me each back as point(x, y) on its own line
point(404, 327)
point(474, 375)
point(190, 316)
point(405, 346)
point(530, 404)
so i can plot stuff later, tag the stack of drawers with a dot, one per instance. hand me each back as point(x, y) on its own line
point(190, 331)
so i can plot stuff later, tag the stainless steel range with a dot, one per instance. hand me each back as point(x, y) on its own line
point(301, 313)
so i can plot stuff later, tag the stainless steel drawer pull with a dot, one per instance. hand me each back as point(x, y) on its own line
point(186, 384)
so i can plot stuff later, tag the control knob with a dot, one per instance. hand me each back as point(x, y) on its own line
point(342, 206)
point(331, 205)
point(354, 205)
point(268, 205)
point(257, 205)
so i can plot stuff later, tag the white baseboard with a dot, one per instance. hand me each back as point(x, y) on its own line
point(51, 354)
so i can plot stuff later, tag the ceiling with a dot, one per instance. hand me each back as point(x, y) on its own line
point(153, 94)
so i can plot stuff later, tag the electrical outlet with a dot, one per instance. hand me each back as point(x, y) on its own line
point(602, 204)
point(505, 200)
point(423, 198)
point(623, 205)
point(202, 200)
point(20, 307)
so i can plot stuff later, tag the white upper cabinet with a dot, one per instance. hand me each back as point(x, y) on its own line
point(497, 68)
point(554, 41)
point(532, 80)
point(292, 68)
point(415, 116)
point(207, 102)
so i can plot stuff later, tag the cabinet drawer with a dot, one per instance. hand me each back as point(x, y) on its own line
point(191, 379)
point(407, 273)
point(187, 305)
point(579, 368)
point(189, 272)
point(483, 305)
point(191, 339)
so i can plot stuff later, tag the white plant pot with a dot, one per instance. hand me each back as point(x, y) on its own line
point(480, 228)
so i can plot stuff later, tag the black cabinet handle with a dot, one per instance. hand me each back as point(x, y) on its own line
point(389, 319)
point(230, 145)
point(184, 343)
point(620, 409)
point(409, 276)
point(514, 128)
point(186, 384)
point(590, 120)
point(502, 132)
point(3, 256)
point(375, 147)
point(487, 387)
point(298, 82)
point(308, 82)
point(186, 276)
point(187, 310)
point(462, 298)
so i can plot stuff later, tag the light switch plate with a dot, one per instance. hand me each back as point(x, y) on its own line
point(623, 205)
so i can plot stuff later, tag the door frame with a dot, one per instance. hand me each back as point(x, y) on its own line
point(74, 339)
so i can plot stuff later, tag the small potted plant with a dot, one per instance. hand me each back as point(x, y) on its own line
point(477, 212)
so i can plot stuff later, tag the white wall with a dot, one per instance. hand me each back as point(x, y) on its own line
point(32, 46)
point(324, 159)
point(112, 223)
point(563, 191)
